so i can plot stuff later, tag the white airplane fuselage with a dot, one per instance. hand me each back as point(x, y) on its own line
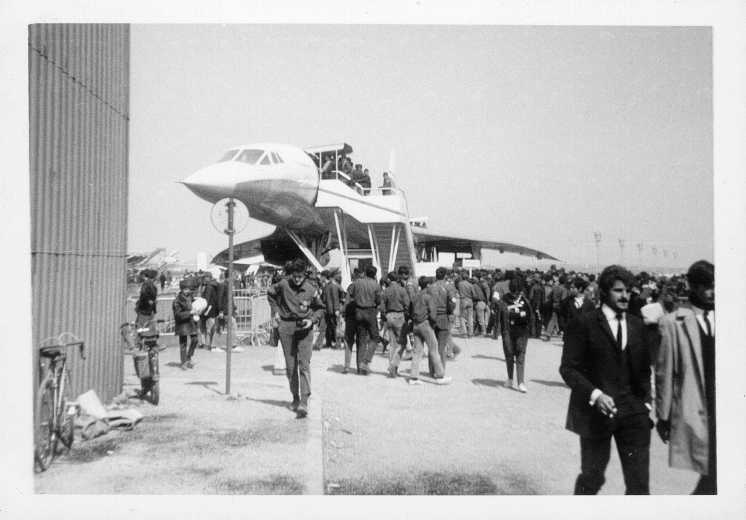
point(278, 184)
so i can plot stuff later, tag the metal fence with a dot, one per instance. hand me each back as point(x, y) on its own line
point(252, 312)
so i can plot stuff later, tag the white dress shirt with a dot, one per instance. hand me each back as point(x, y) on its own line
point(610, 315)
point(703, 315)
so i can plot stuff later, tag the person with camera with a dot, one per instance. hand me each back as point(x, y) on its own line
point(299, 308)
point(516, 322)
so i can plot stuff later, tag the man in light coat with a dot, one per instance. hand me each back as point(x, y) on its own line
point(685, 381)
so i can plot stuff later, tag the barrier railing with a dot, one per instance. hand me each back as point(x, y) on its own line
point(361, 190)
point(252, 312)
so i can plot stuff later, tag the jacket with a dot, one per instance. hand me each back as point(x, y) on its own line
point(395, 299)
point(332, 295)
point(590, 359)
point(507, 332)
point(296, 303)
point(444, 297)
point(182, 307)
point(210, 294)
point(146, 303)
point(680, 390)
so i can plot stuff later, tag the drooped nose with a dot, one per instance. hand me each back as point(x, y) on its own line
point(215, 182)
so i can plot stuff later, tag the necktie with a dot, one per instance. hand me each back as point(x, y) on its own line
point(619, 331)
point(707, 323)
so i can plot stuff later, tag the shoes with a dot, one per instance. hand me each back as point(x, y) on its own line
point(183, 366)
point(189, 364)
point(415, 382)
point(522, 388)
point(393, 372)
point(363, 371)
point(294, 405)
point(301, 411)
point(509, 384)
point(447, 380)
point(346, 370)
point(237, 348)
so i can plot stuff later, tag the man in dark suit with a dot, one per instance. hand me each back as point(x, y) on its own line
point(575, 304)
point(606, 364)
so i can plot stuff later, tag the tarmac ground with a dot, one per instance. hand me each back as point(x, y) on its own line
point(363, 435)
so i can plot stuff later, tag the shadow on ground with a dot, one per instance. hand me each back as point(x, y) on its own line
point(494, 383)
point(481, 356)
point(428, 483)
point(549, 383)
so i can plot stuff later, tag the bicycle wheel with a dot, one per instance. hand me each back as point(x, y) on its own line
point(65, 421)
point(155, 393)
point(262, 338)
point(45, 440)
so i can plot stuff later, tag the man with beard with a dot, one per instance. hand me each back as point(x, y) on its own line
point(685, 380)
point(299, 308)
point(605, 363)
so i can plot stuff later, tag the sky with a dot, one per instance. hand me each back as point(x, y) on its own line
point(535, 135)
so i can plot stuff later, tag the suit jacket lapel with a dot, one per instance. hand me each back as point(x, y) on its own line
point(607, 330)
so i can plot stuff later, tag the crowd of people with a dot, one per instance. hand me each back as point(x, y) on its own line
point(200, 311)
point(356, 174)
point(615, 329)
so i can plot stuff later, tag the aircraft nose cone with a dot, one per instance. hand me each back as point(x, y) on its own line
point(211, 183)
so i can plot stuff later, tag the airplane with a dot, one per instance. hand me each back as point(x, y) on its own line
point(319, 210)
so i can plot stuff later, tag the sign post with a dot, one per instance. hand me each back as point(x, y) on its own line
point(223, 218)
point(229, 335)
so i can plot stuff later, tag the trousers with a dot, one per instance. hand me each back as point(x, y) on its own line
point(297, 348)
point(632, 437)
point(467, 316)
point(515, 355)
point(367, 334)
point(483, 313)
point(185, 354)
point(424, 335)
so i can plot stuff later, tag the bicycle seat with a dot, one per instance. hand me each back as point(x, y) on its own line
point(52, 351)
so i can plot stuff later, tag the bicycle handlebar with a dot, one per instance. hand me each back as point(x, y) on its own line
point(61, 346)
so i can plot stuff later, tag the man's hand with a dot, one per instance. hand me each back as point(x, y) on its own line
point(664, 430)
point(605, 405)
point(307, 324)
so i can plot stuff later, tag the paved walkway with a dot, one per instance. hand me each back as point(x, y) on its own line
point(368, 435)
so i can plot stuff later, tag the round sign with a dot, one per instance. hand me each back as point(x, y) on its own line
point(219, 215)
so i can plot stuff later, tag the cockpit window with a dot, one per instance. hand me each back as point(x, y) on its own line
point(265, 160)
point(279, 159)
point(227, 156)
point(250, 156)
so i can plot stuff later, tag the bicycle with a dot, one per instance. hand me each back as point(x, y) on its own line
point(55, 413)
point(142, 344)
point(256, 337)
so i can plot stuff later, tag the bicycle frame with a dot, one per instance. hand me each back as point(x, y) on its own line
point(55, 378)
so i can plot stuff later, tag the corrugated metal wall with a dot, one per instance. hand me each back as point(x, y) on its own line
point(79, 121)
